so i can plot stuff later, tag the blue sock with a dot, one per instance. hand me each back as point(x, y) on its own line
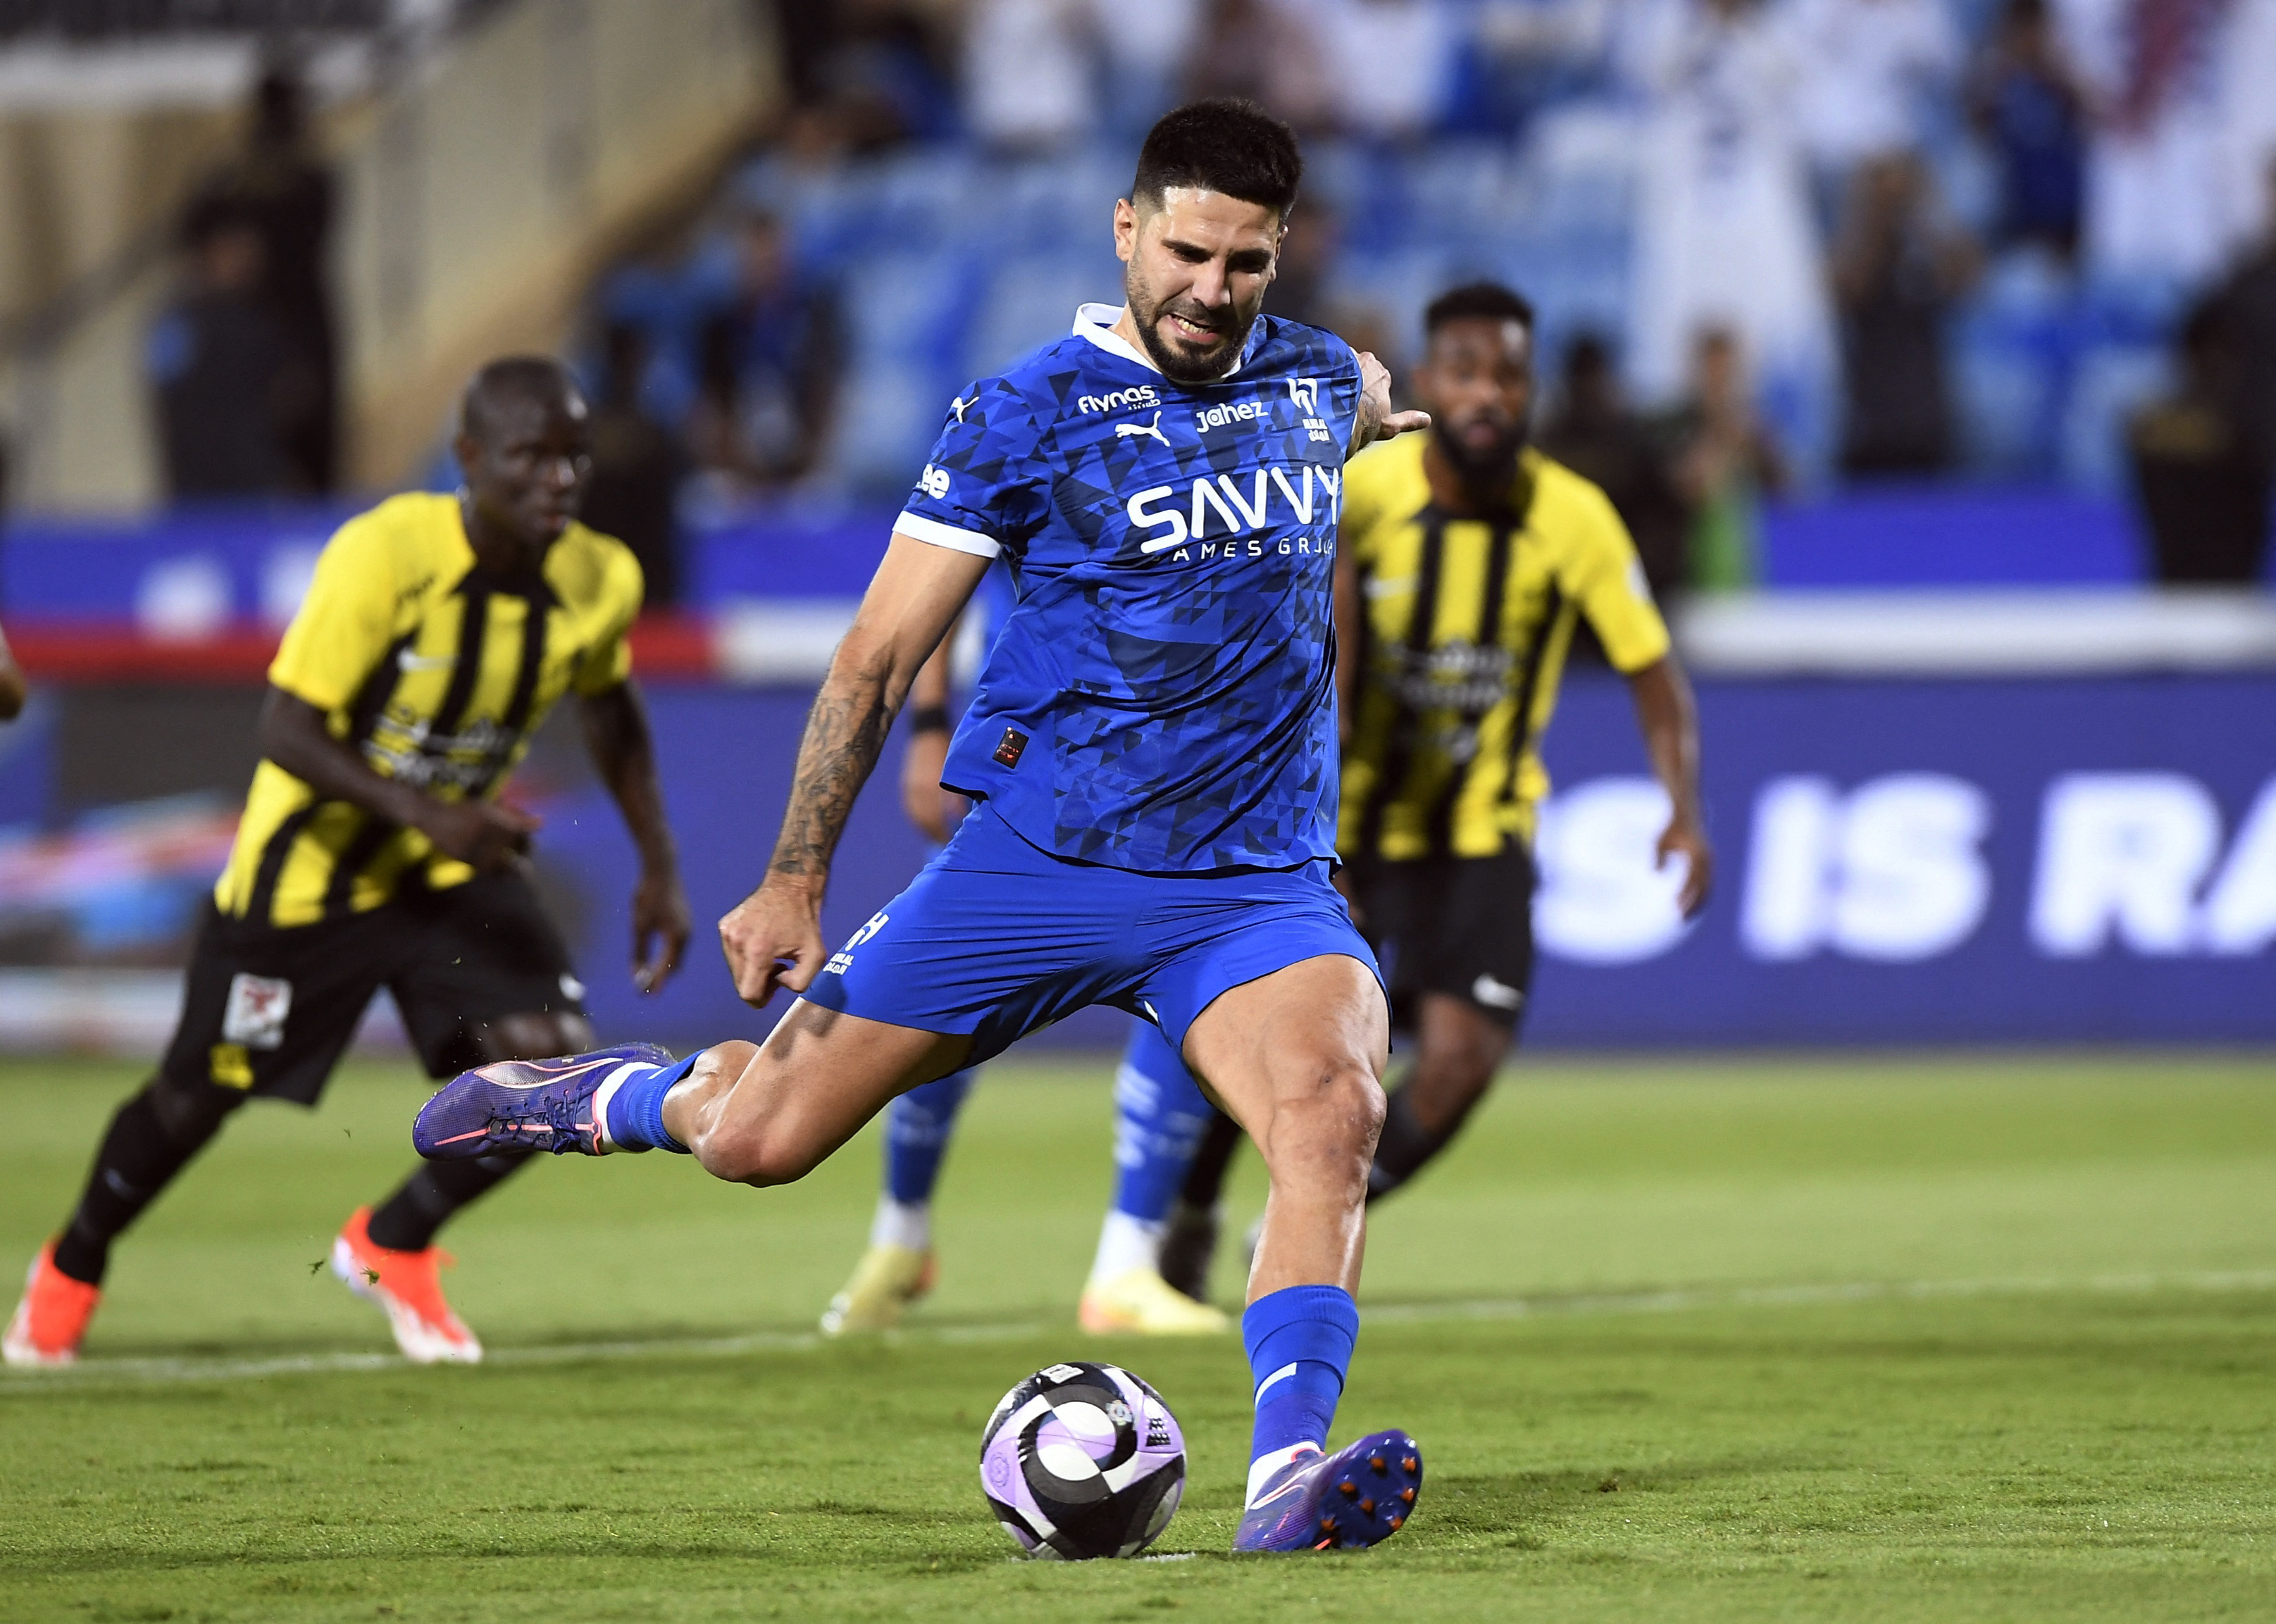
point(635, 1112)
point(918, 1125)
point(1159, 1116)
point(1300, 1344)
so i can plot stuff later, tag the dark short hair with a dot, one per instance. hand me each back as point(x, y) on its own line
point(514, 377)
point(1222, 144)
point(1478, 301)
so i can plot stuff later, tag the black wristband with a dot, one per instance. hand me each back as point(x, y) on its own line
point(928, 719)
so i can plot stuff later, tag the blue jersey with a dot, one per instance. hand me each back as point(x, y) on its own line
point(1161, 697)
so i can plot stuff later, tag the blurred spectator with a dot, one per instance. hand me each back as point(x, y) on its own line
point(2203, 486)
point(2032, 111)
point(1307, 256)
point(1264, 50)
point(1028, 72)
point(284, 192)
point(767, 390)
point(1725, 236)
point(1724, 462)
point(633, 493)
point(1389, 65)
point(2160, 193)
point(1142, 47)
point(2246, 301)
point(1594, 433)
point(231, 395)
point(864, 74)
point(1897, 272)
point(1874, 67)
point(1525, 55)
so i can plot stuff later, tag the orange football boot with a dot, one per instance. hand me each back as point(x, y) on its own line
point(50, 1322)
point(408, 1289)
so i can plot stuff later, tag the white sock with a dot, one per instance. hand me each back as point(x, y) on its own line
point(1260, 1470)
point(902, 1223)
point(1126, 1243)
point(607, 1092)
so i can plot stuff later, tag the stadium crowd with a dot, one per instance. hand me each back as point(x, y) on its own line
point(1772, 241)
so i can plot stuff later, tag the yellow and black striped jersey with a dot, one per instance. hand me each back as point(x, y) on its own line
point(1464, 625)
point(439, 673)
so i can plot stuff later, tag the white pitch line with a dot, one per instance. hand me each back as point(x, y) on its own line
point(106, 1372)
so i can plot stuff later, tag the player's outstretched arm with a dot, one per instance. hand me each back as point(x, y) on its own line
point(1375, 419)
point(1670, 723)
point(774, 936)
point(481, 833)
point(616, 736)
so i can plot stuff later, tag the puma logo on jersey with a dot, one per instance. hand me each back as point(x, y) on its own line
point(1134, 430)
point(960, 404)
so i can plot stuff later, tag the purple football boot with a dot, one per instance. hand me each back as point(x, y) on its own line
point(525, 1105)
point(1358, 1496)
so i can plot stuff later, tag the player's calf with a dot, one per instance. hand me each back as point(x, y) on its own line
point(770, 1114)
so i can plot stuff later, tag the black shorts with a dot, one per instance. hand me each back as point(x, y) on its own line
point(270, 1010)
point(1462, 927)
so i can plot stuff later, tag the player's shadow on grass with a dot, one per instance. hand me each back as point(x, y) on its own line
point(1516, 1510)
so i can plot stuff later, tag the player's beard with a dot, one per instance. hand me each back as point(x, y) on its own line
point(1487, 473)
point(1178, 368)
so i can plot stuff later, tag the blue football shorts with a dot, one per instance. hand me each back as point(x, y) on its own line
point(996, 939)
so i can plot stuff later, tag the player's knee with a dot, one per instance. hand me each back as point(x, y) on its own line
point(1331, 1114)
point(188, 1111)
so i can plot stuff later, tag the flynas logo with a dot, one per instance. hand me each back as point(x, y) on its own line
point(1234, 507)
point(1136, 398)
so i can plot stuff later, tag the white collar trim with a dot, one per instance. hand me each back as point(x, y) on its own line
point(1096, 323)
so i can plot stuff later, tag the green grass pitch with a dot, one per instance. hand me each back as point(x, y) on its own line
point(1809, 1338)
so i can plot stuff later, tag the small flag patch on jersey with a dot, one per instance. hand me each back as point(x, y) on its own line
point(1008, 752)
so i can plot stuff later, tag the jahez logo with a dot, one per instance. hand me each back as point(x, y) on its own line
point(1236, 507)
point(1138, 397)
point(934, 482)
point(1232, 411)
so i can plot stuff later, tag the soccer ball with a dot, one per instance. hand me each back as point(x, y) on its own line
point(1082, 1460)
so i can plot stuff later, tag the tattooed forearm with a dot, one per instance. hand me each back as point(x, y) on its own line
point(1365, 421)
point(845, 732)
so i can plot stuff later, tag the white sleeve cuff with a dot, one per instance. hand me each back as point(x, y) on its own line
point(923, 529)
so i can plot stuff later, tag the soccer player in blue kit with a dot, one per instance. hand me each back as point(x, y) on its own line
point(1153, 747)
point(1160, 1113)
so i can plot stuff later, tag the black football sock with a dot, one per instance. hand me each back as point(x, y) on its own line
point(406, 1221)
point(150, 1139)
point(1405, 1146)
point(1205, 1183)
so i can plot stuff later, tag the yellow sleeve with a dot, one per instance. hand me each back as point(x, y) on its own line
point(345, 622)
point(1603, 576)
point(1365, 480)
point(609, 662)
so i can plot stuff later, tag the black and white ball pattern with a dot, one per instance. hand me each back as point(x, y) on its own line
point(1082, 1460)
